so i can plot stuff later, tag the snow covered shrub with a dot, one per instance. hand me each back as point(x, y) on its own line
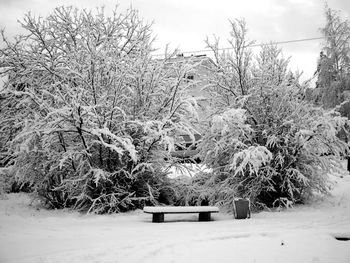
point(288, 157)
point(95, 116)
point(265, 142)
point(191, 191)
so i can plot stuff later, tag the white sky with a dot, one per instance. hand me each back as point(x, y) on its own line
point(184, 24)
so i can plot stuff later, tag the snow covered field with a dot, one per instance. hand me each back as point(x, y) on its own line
point(301, 234)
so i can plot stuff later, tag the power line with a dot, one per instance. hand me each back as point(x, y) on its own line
point(287, 41)
point(251, 45)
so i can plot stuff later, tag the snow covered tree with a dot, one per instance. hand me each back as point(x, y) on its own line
point(92, 117)
point(233, 78)
point(333, 72)
point(265, 143)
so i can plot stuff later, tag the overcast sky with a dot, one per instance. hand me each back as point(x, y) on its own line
point(184, 24)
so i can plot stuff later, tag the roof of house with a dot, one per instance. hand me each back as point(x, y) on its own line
point(180, 58)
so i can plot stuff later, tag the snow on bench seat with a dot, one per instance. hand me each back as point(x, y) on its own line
point(159, 211)
point(179, 209)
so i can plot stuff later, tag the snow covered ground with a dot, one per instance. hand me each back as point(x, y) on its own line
point(301, 234)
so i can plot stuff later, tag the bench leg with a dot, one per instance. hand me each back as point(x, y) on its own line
point(158, 218)
point(204, 216)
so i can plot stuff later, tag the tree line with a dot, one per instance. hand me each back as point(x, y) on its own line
point(89, 119)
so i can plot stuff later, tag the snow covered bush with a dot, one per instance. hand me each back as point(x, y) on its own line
point(92, 117)
point(265, 142)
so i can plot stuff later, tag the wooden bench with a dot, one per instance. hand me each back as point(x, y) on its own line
point(159, 211)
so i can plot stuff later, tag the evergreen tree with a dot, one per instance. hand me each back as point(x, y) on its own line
point(333, 71)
